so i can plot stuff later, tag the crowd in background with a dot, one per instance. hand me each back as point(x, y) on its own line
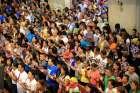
point(73, 50)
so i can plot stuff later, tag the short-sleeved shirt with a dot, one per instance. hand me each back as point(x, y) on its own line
point(52, 70)
point(22, 77)
point(32, 85)
point(95, 75)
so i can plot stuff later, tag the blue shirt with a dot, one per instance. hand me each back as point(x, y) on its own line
point(30, 36)
point(84, 43)
point(73, 64)
point(18, 15)
point(52, 70)
point(27, 68)
point(2, 18)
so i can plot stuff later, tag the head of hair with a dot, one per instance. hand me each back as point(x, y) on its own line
point(52, 59)
point(135, 30)
point(33, 72)
point(113, 82)
point(22, 64)
point(42, 83)
point(117, 26)
point(126, 76)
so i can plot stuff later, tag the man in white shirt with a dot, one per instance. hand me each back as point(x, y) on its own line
point(31, 83)
point(19, 76)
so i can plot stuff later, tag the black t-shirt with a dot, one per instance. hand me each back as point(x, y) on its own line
point(127, 87)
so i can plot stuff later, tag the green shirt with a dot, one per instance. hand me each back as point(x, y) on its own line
point(106, 79)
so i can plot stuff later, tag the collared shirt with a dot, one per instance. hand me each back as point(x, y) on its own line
point(31, 84)
point(22, 77)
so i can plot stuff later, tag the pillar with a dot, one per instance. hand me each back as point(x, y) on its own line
point(138, 15)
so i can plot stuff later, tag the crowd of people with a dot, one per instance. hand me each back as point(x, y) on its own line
point(73, 50)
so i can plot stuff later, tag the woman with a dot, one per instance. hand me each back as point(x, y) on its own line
point(94, 74)
point(84, 77)
point(116, 69)
point(135, 87)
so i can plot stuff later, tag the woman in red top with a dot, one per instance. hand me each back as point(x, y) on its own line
point(94, 75)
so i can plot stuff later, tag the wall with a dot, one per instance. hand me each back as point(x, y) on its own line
point(59, 4)
point(127, 16)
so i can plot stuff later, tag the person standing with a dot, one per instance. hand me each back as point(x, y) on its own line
point(31, 83)
point(125, 82)
point(19, 76)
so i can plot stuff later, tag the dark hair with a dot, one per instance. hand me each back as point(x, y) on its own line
point(31, 30)
point(93, 88)
point(117, 26)
point(97, 28)
point(113, 82)
point(52, 59)
point(103, 52)
point(42, 82)
point(22, 64)
point(65, 69)
point(15, 64)
point(94, 65)
point(119, 65)
point(61, 42)
point(126, 77)
point(83, 24)
point(135, 29)
point(33, 72)
point(76, 25)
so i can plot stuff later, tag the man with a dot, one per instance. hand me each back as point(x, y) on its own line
point(71, 24)
point(133, 76)
point(19, 77)
point(43, 60)
point(108, 76)
point(50, 78)
point(31, 83)
point(43, 64)
point(125, 83)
